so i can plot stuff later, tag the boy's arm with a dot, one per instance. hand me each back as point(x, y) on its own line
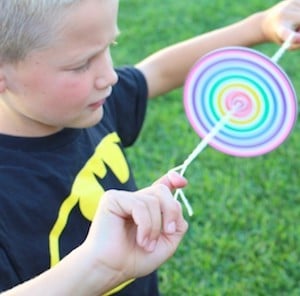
point(74, 275)
point(132, 234)
point(166, 69)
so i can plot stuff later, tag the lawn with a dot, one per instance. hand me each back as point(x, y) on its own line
point(244, 237)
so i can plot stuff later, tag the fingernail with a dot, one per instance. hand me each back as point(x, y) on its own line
point(145, 242)
point(171, 228)
point(151, 246)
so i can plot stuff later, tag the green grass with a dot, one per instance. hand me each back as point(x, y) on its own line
point(244, 238)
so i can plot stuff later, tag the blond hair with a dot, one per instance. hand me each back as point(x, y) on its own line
point(28, 25)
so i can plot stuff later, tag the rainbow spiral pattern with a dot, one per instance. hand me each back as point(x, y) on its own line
point(263, 97)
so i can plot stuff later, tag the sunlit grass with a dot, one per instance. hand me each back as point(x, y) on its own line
point(244, 238)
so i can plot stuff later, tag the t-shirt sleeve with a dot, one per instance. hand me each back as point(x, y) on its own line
point(128, 103)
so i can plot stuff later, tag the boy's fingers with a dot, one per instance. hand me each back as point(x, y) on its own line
point(172, 180)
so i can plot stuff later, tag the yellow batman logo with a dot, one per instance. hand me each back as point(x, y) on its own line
point(86, 190)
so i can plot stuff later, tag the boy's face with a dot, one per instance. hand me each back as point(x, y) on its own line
point(66, 84)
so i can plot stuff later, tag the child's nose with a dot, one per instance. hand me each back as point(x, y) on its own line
point(107, 79)
point(106, 75)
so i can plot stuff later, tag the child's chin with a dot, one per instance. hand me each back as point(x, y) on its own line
point(89, 121)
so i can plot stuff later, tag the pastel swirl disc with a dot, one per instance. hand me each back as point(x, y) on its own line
point(242, 78)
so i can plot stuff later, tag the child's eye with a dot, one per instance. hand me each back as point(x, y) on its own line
point(82, 68)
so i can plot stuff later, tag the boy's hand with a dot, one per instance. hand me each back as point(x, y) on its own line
point(135, 232)
point(281, 20)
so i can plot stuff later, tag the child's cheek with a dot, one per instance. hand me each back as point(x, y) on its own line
point(78, 90)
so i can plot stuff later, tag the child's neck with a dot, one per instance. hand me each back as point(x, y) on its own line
point(15, 124)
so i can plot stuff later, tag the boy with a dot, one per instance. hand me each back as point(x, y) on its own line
point(66, 115)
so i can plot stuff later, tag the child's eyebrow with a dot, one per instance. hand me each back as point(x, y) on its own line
point(94, 52)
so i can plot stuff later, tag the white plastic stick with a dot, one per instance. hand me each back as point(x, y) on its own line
point(200, 147)
point(285, 46)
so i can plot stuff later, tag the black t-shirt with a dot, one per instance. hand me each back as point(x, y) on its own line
point(50, 186)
